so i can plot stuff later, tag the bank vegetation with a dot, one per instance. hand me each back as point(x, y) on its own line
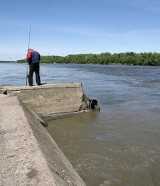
point(128, 58)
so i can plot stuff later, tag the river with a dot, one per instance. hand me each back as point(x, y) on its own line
point(118, 146)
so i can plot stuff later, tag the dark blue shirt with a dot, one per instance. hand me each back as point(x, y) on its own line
point(35, 57)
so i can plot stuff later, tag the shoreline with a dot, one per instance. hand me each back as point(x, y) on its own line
point(108, 64)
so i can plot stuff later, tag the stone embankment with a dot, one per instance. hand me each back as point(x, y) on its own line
point(29, 155)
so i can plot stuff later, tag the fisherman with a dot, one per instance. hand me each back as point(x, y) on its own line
point(33, 59)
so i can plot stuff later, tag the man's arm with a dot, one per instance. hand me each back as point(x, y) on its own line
point(28, 59)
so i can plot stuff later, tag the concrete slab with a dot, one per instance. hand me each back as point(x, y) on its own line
point(22, 162)
point(28, 154)
point(50, 99)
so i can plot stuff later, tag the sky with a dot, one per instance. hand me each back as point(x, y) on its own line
point(63, 27)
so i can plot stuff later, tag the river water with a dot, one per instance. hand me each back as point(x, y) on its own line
point(118, 146)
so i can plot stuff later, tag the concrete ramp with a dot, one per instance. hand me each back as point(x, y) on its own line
point(50, 99)
point(28, 154)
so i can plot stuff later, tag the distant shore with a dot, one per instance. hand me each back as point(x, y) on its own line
point(8, 61)
point(127, 58)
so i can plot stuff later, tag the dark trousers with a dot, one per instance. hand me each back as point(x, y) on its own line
point(34, 67)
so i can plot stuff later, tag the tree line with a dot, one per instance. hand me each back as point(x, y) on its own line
point(127, 58)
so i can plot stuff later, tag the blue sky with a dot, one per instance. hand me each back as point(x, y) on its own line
point(62, 27)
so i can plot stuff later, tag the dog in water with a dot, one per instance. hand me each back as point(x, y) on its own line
point(89, 104)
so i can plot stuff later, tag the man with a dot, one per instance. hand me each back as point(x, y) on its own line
point(33, 59)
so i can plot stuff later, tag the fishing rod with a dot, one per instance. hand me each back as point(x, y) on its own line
point(29, 37)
